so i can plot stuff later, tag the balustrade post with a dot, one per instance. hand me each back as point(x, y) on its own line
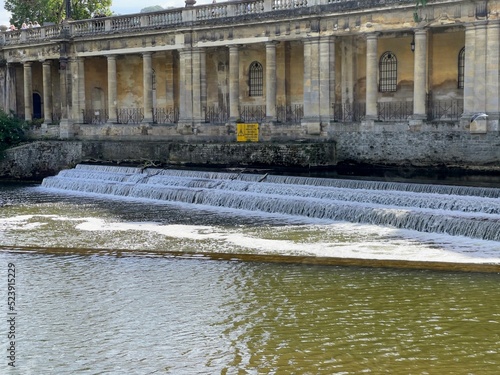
point(268, 5)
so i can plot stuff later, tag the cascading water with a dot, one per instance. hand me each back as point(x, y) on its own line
point(460, 211)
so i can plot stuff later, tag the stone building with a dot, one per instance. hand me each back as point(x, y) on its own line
point(387, 80)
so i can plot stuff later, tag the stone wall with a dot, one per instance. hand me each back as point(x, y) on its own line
point(453, 148)
point(41, 159)
point(213, 154)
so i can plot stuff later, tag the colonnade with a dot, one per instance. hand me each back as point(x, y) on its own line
point(481, 79)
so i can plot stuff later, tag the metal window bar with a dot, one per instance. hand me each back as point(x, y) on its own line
point(129, 115)
point(253, 113)
point(169, 115)
point(445, 109)
point(95, 116)
point(216, 114)
point(461, 68)
point(256, 79)
point(388, 70)
point(394, 111)
point(290, 114)
point(349, 112)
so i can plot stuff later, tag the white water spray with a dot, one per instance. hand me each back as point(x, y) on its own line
point(455, 210)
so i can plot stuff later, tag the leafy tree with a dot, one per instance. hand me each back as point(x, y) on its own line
point(154, 8)
point(419, 4)
point(12, 131)
point(54, 10)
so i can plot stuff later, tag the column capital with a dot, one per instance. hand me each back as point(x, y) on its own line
point(27, 63)
point(480, 24)
point(234, 47)
point(420, 31)
point(372, 36)
point(147, 53)
point(494, 23)
point(311, 39)
point(46, 62)
point(272, 43)
point(111, 57)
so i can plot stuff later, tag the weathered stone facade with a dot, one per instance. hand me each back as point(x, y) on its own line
point(45, 158)
point(343, 71)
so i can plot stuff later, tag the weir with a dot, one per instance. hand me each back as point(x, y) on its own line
point(472, 212)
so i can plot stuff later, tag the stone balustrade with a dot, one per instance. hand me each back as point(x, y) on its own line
point(178, 16)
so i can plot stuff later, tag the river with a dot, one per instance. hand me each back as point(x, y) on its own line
point(102, 287)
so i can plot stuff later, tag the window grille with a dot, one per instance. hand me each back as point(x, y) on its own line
point(388, 67)
point(256, 79)
point(461, 66)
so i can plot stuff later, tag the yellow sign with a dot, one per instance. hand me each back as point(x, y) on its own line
point(247, 132)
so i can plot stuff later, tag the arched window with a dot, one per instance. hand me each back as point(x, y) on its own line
point(388, 72)
point(461, 66)
point(256, 79)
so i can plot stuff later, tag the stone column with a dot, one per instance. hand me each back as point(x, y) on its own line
point(371, 76)
point(311, 120)
point(28, 92)
point(348, 45)
point(307, 78)
point(203, 80)
point(196, 92)
point(47, 92)
point(492, 72)
point(325, 71)
point(470, 34)
point(63, 66)
point(112, 89)
point(169, 67)
point(77, 88)
point(420, 75)
point(333, 70)
point(234, 83)
point(186, 87)
point(480, 68)
point(147, 74)
point(11, 88)
point(271, 81)
point(66, 130)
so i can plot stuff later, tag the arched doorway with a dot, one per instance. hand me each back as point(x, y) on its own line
point(37, 105)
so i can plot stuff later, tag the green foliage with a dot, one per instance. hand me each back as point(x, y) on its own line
point(12, 131)
point(154, 8)
point(54, 10)
point(419, 4)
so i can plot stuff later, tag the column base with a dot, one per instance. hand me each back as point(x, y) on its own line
point(312, 125)
point(66, 129)
point(185, 127)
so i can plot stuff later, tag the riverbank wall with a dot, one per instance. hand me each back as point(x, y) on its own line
point(39, 159)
